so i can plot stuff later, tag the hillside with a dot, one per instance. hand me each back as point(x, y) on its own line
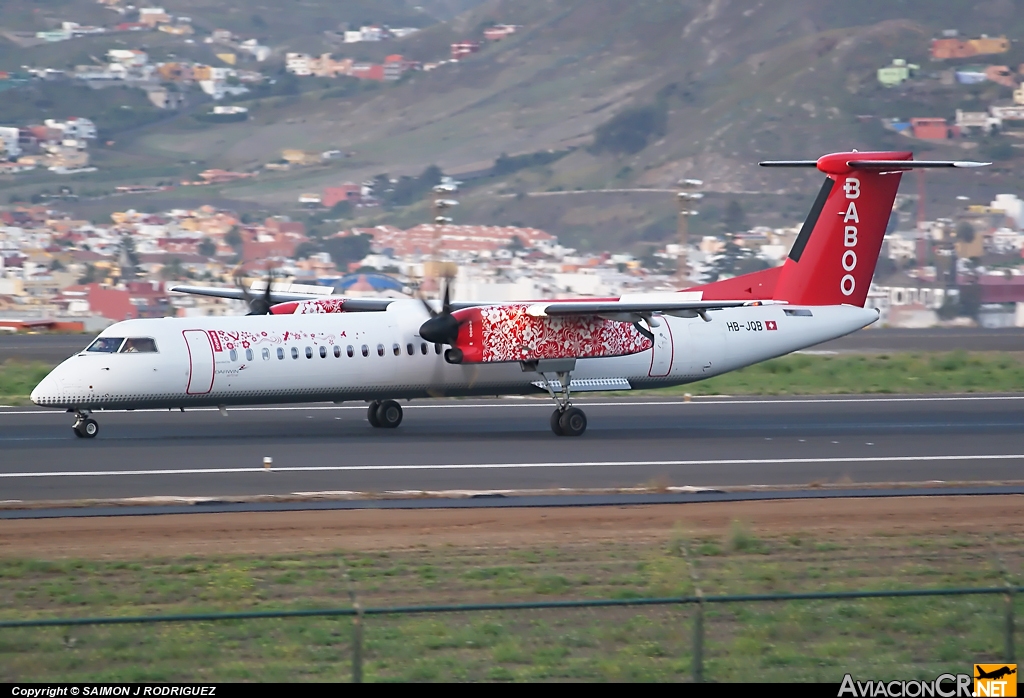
point(719, 85)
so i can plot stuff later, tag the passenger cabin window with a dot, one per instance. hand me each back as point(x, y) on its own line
point(106, 345)
point(423, 348)
point(295, 352)
point(396, 350)
point(366, 350)
point(280, 353)
point(138, 345)
point(337, 351)
point(266, 354)
point(309, 352)
point(437, 348)
point(350, 351)
point(248, 354)
point(323, 352)
point(410, 348)
point(233, 355)
point(380, 350)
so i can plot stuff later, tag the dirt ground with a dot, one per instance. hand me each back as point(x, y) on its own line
point(368, 530)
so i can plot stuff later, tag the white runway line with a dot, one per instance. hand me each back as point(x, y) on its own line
point(537, 402)
point(513, 466)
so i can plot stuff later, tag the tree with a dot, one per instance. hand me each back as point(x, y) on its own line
point(305, 249)
point(89, 276)
point(964, 232)
point(735, 219)
point(630, 131)
point(350, 248)
point(172, 270)
point(207, 247)
point(234, 238)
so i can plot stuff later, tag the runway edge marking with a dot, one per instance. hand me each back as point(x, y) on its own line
point(513, 466)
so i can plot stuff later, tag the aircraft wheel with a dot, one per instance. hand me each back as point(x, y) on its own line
point(371, 413)
point(555, 426)
point(78, 431)
point(389, 414)
point(88, 429)
point(573, 422)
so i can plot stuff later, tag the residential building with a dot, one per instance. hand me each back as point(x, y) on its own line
point(982, 121)
point(130, 58)
point(162, 98)
point(462, 49)
point(152, 16)
point(349, 192)
point(951, 47)
point(9, 141)
point(395, 67)
point(896, 73)
point(367, 71)
point(931, 128)
point(255, 49)
point(1001, 74)
point(499, 31)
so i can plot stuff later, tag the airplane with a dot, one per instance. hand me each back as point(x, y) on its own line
point(995, 673)
point(296, 347)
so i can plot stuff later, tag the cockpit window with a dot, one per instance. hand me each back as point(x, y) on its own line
point(139, 345)
point(106, 345)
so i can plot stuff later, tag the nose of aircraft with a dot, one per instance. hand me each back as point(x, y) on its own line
point(47, 392)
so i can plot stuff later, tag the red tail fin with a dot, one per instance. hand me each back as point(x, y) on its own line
point(834, 256)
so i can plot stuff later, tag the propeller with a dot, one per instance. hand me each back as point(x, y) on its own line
point(442, 327)
point(258, 305)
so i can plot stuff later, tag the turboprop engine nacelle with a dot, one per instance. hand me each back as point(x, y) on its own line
point(497, 333)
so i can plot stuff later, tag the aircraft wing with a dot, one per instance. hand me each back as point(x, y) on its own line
point(239, 295)
point(612, 309)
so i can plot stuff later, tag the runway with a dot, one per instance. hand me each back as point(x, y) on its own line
point(506, 444)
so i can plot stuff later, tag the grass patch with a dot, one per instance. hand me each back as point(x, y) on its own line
point(791, 641)
point(925, 372)
point(17, 378)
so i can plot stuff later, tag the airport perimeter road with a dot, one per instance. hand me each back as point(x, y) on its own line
point(57, 347)
point(507, 444)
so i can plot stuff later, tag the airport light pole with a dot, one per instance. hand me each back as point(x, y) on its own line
point(439, 206)
point(687, 199)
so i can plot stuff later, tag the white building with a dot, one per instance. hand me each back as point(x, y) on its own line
point(9, 141)
point(298, 64)
point(1012, 206)
point(130, 58)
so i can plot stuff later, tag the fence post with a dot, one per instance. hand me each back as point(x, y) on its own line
point(698, 641)
point(1009, 628)
point(357, 644)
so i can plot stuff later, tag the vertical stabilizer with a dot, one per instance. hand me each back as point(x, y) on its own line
point(834, 256)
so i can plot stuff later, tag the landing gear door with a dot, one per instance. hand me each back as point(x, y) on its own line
point(201, 366)
point(661, 358)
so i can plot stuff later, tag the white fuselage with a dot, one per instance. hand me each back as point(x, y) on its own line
point(292, 358)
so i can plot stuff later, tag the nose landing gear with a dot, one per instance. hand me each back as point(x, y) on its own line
point(84, 427)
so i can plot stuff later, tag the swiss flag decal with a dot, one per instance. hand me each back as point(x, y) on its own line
point(771, 325)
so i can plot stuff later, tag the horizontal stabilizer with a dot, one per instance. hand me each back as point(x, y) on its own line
point(879, 164)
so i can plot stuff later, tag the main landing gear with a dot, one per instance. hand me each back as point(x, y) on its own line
point(84, 427)
point(566, 420)
point(384, 415)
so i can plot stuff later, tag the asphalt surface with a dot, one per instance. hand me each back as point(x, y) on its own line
point(506, 444)
point(55, 348)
